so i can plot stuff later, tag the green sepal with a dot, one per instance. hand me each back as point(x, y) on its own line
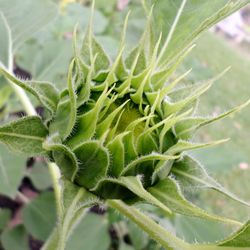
point(134, 185)
point(93, 163)
point(86, 125)
point(65, 117)
point(160, 78)
point(117, 155)
point(169, 193)
point(136, 55)
point(130, 152)
point(84, 78)
point(61, 123)
point(185, 128)
point(111, 188)
point(103, 126)
point(70, 190)
point(190, 174)
point(25, 135)
point(174, 107)
point(63, 156)
point(145, 164)
point(182, 146)
point(90, 49)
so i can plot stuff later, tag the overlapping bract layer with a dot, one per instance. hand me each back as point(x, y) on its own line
point(120, 128)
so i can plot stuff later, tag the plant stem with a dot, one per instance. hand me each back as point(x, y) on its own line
point(154, 230)
point(24, 99)
point(55, 176)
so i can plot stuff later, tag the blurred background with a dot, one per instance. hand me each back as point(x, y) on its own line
point(42, 43)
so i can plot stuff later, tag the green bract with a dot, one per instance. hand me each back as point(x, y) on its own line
point(121, 128)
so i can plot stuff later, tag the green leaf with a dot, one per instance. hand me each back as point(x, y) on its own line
point(44, 59)
point(5, 216)
point(190, 174)
point(169, 193)
point(94, 162)
point(206, 13)
point(39, 176)
point(12, 169)
point(138, 237)
point(6, 43)
point(238, 239)
point(91, 232)
point(25, 135)
point(45, 92)
point(5, 93)
point(37, 15)
point(125, 246)
point(39, 216)
point(15, 238)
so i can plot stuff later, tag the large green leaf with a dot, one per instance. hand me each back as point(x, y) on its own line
point(5, 215)
point(25, 135)
point(138, 237)
point(91, 233)
point(42, 54)
point(39, 216)
point(39, 176)
point(37, 14)
point(15, 238)
point(12, 169)
point(188, 28)
point(45, 61)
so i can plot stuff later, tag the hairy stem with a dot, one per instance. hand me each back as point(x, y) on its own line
point(154, 230)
